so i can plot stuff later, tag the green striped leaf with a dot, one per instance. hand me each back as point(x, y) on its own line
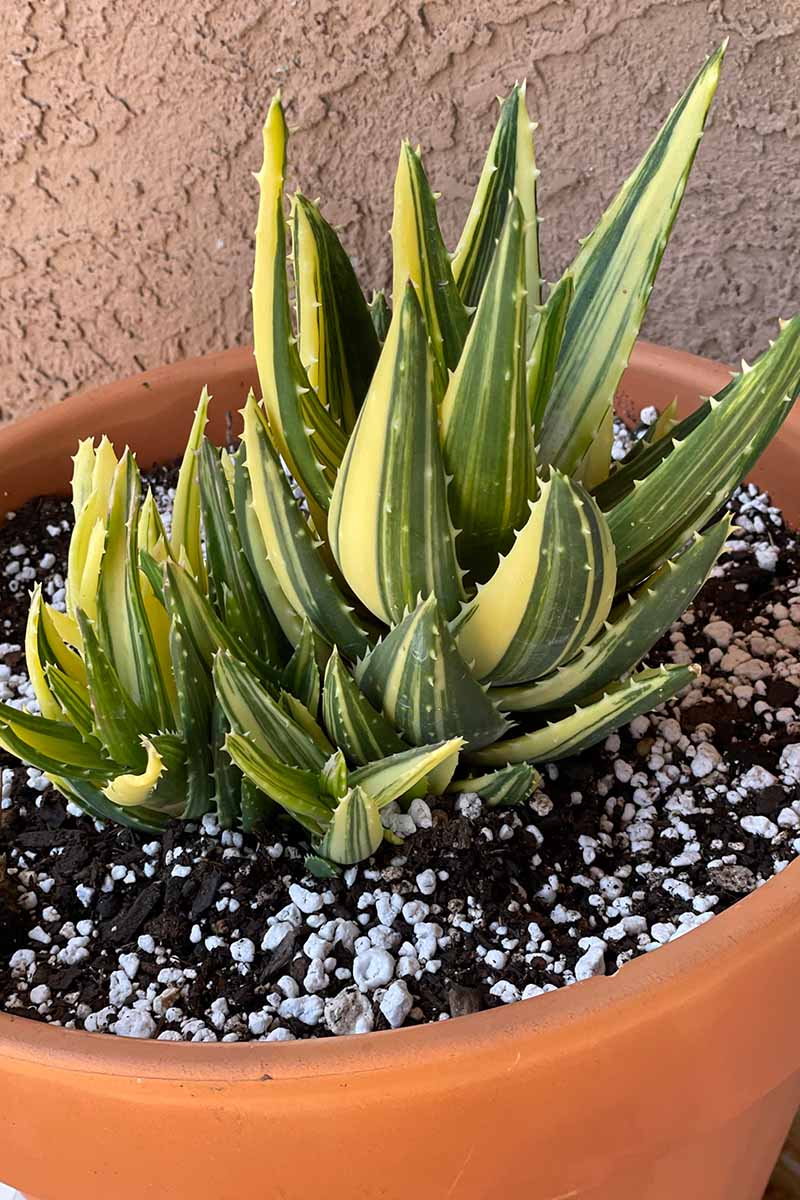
point(44, 647)
point(592, 722)
point(333, 778)
point(152, 535)
point(380, 316)
point(195, 700)
point(613, 275)
point(73, 700)
point(252, 712)
point(686, 488)
point(122, 624)
point(355, 831)
point(642, 459)
point(509, 170)
point(301, 571)
point(596, 463)
point(301, 675)
point(256, 551)
point(419, 680)
point(419, 255)
point(547, 336)
point(231, 583)
point(299, 713)
point(305, 434)
point(549, 596)
point(169, 795)
point(118, 721)
point(634, 627)
point(231, 798)
point(353, 724)
point(185, 542)
point(504, 787)
point(336, 338)
point(186, 603)
point(52, 746)
point(389, 526)
point(257, 809)
point(486, 432)
point(92, 801)
point(392, 777)
point(295, 790)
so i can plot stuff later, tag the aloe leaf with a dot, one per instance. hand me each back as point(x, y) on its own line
point(550, 594)
point(256, 551)
point(485, 423)
point(153, 573)
point(52, 745)
point(596, 462)
point(648, 525)
point(251, 711)
point(505, 786)
point(136, 788)
point(662, 426)
point(419, 255)
point(419, 680)
point(152, 536)
point(73, 700)
point(304, 432)
point(122, 626)
point(44, 647)
point(195, 700)
point(294, 789)
point(380, 315)
point(333, 778)
point(82, 471)
point(336, 338)
point(228, 785)
point(301, 675)
point(355, 831)
point(169, 794)
point(308, 723)
point(546, 339)
point(392, 777)
point(593, 721)
point(118, 721)
point(300, 570)
point(88, 535)
point(642, 459)
point(613, 275)
point(257, 809)
point(208, 634)
point(635, 625)
point(351, 721)
point(389, 526)
point(509, 169)
point(185, 529)
point(235, 591)
point(92, 801)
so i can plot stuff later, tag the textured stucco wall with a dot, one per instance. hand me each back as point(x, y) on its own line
point(128, 132)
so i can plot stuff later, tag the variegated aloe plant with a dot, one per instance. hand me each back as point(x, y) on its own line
point(470, 585)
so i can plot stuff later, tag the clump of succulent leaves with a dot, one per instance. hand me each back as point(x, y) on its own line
point(420, 570)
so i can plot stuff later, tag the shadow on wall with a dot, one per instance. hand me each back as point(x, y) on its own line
point(128, 204)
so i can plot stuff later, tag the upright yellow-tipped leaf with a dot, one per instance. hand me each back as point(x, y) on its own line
point(613, 276)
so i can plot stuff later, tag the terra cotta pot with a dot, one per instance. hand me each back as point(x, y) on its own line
point(675, 1079)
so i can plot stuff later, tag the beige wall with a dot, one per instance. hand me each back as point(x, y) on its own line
point(128, 130)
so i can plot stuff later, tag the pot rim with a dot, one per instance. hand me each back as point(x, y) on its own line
point(642, 992)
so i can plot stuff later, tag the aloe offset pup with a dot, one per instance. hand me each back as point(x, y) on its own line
point(470, 585)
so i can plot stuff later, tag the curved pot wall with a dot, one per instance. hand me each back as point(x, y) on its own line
point(676, 1078)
